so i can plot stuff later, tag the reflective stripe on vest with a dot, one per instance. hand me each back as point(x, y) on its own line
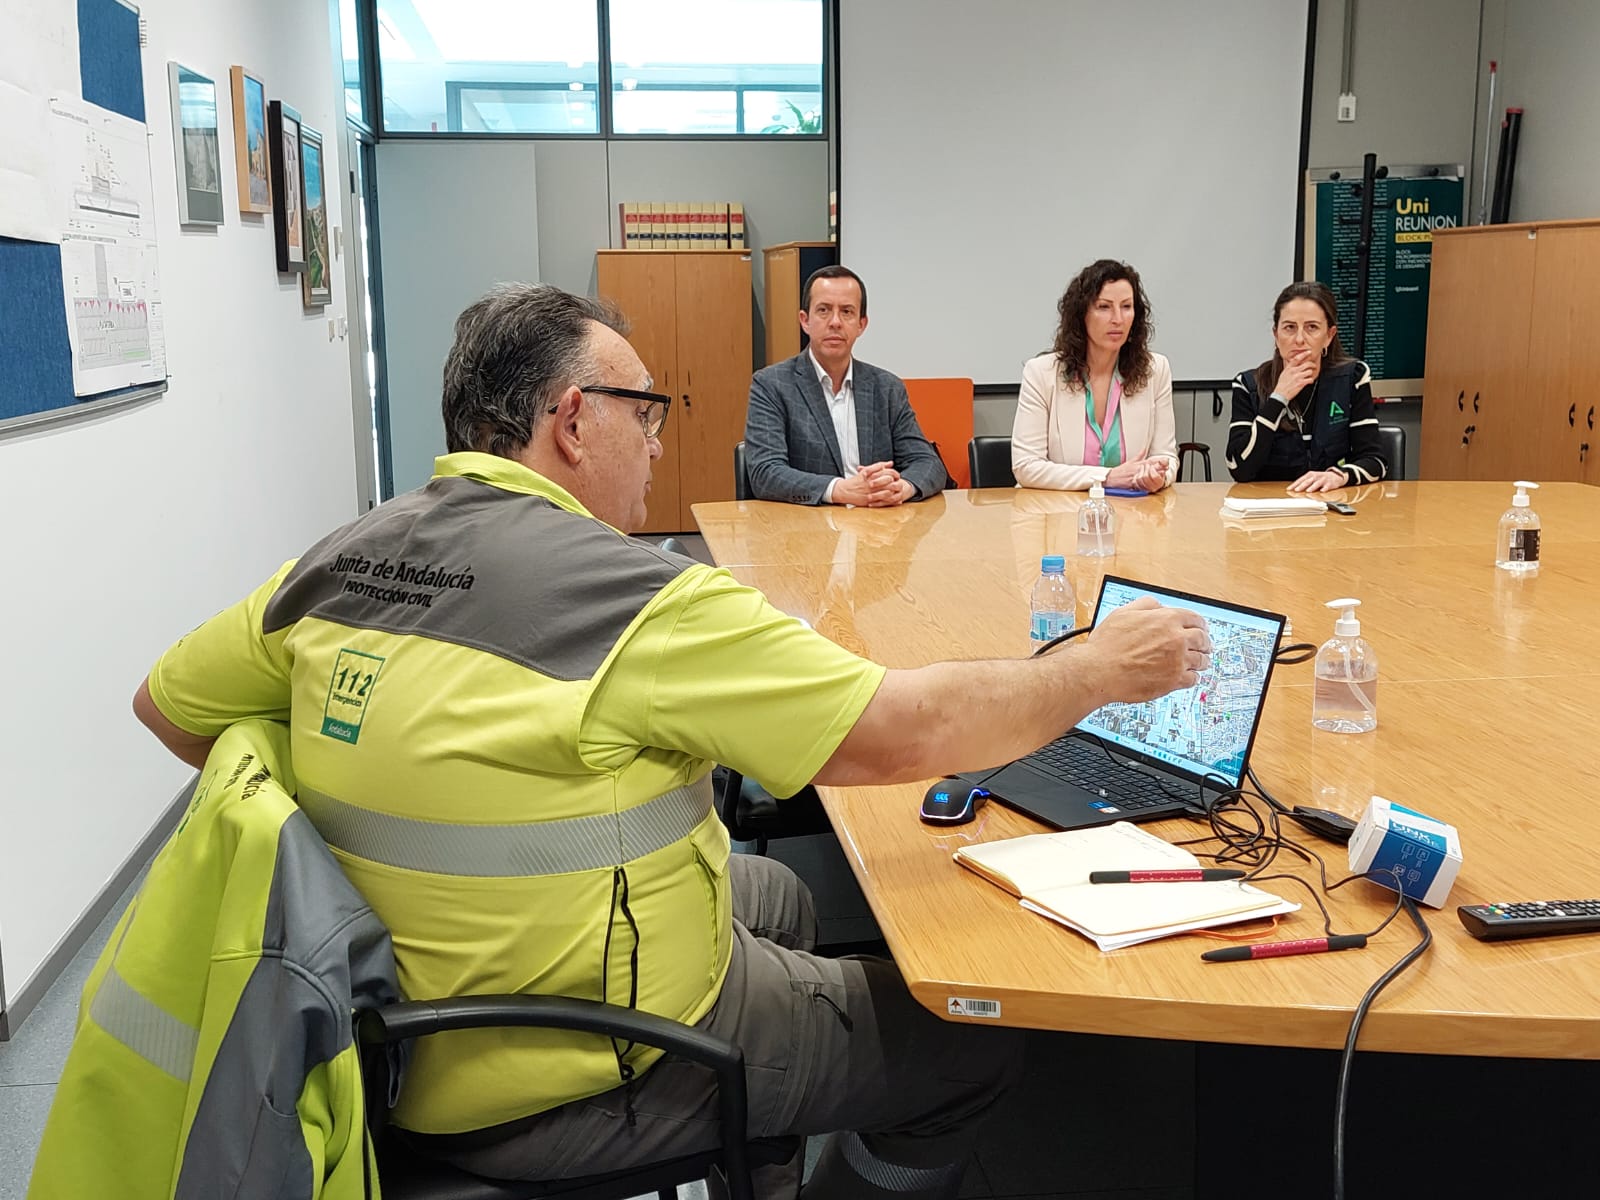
point(536, 848)
point(144, 1027)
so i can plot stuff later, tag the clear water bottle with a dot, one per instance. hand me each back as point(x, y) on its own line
point(1053, 602)
point(1096, 525)
point(1517, 547)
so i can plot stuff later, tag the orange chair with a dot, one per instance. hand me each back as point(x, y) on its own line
point(944, 410)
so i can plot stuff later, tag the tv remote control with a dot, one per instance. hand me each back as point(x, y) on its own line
point(1530, 918)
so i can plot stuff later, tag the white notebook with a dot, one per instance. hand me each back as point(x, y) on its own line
point(1049, 874)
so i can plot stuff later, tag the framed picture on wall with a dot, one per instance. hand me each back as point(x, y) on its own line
point(288, 224)
point(315, 286)
point(195, 147)
point(250, 142)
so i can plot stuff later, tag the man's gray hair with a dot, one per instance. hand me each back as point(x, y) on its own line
point(516, 350)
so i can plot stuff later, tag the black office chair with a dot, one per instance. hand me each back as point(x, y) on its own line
point(753, 814)
point(1392, 439)
point(989, 459)
point(1187, 448)
point(741, 475)
point(405, 1174)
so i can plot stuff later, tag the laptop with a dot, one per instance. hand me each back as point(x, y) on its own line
point(1176, 754)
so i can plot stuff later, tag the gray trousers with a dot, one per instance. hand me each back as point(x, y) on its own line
point(832, 1046)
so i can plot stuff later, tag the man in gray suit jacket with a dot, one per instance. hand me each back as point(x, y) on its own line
point(826, 428)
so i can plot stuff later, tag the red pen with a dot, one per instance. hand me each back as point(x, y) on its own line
point(1321, 945)
point(1176, 875)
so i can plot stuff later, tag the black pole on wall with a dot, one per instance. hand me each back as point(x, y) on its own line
point(1369, 174)
point(1506, 167)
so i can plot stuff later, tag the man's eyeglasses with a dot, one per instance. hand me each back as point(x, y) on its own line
point(653, 418)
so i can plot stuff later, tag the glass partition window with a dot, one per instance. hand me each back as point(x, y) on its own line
point(350, 51)
point(720, 67)
point(716, 67)
point(489, 66)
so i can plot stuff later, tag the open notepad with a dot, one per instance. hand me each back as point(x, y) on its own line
point(1049, 873)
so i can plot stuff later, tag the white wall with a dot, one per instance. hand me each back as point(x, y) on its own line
point(1184, 161)
point(1546, 51)
point(1412, 74)
point(122, 533)
point(454, 219)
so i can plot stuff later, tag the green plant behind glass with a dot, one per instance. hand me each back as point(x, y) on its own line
point(804, 122)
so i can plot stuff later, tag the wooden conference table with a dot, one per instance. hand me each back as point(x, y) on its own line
point(1487, 719)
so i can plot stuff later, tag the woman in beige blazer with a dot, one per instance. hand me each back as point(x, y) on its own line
point(1098, 407)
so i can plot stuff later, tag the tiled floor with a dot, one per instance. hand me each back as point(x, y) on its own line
point(31, 1062)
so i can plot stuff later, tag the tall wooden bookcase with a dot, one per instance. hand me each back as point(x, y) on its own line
point(690, 312)
point(785, 268)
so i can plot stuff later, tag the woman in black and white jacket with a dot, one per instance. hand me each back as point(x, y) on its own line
point(1305, 415)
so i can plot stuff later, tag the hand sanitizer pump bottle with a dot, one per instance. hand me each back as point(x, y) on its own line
point(1097, 531)
point(1345, 698)
point(1517, 548)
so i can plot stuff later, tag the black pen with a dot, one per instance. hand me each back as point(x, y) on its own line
point(1170, 875)
point(1321, 945)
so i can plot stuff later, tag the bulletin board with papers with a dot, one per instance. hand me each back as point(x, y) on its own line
point(80, 298)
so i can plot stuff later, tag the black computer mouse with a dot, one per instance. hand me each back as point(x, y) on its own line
point(952, 802)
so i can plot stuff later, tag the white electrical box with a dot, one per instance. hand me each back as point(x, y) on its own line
point(1347, 106)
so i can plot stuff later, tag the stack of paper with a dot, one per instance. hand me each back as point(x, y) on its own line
point(1049, 873)
point(1284, 506)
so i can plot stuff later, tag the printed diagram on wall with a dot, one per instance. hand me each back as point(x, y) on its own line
point(108, 249)
point(315, 288)
point(250, 142)
point(196, 146)
point(288, 227)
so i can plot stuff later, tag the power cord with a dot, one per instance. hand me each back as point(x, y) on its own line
point(1256, 845)
point(1063, 637)
point(1348, 1059)
point(1294, 652)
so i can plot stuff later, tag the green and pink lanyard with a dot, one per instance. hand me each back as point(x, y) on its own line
point(1098, 447)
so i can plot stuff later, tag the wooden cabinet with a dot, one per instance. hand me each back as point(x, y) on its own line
point(785, 268)
point(1563, 363)
point(690, 314)
point(1513, 353)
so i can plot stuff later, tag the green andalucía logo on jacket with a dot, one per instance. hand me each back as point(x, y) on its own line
point(1336, 415)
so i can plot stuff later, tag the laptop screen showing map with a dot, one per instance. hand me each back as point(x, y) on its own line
point(1204, 731)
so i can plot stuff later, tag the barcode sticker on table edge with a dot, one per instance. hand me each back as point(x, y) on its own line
point(967, 1006)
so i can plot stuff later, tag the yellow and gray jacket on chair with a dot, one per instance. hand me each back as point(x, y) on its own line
point(214, 1054)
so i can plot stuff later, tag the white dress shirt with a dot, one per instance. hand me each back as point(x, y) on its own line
point(842, 407)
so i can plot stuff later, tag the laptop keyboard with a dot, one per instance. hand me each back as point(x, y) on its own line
point(1077, 761)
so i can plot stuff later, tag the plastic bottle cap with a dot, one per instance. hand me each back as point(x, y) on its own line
point(1097, 491)
point(1053, 564)
point(1346, 625)
point(1520, 500)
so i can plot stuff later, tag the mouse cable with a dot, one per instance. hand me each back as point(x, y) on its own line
point(1294, 652)
point(1345, 1062)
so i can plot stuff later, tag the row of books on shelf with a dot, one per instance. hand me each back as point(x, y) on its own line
point(685, 225)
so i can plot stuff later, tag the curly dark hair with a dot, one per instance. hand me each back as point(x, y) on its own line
point(1072, 335)
point(1318, 293)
